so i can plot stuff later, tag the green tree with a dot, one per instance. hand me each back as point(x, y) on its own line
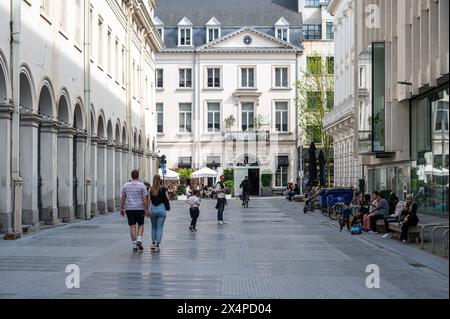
point(185, 175)
point(314, 89)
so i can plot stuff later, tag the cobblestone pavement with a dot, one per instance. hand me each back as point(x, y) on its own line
point(270, 250)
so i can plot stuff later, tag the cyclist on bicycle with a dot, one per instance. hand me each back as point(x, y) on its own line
point(245, 185)
point(312, 195)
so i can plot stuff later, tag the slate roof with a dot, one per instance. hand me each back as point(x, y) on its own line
point(230, 13)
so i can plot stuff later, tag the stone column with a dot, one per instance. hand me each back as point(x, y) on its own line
point(6, 212)
point(29, 125)
point(65, 174)
point(79, 182)
point(101, 176)
point(48, 172)
point(125, 159)
point(94, 175)
point(118, 174)
point(110, 177)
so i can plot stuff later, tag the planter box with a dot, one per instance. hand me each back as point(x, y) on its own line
point(266, 191)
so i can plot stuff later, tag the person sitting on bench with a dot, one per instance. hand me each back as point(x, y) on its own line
point(409, 218)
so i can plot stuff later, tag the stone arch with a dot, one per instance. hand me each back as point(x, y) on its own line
point(117, 133)
point(124, 134)
point(247, 160)
point(140, 140)
point(46, 104)
point(78, 116)
point(101, 126)
point(64, 111)
point(5, 87)
point(93, 122)
point(109, 130)
point(27, 89)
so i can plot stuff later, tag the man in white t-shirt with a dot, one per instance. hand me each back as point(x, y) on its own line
point(134, 201)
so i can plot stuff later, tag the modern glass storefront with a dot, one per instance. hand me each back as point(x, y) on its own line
point(430, 151)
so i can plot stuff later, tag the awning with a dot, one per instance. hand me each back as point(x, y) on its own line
point(170, 175)
point(204, 172)
point(184, 162)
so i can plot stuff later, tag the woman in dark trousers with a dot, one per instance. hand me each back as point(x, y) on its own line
point(409, 218)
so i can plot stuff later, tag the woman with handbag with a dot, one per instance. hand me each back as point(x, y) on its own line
point(159, 198)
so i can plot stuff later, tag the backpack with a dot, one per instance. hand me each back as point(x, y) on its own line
point(356, 230)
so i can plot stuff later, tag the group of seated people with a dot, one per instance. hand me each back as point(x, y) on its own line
point(203, 192)
point(369, 209)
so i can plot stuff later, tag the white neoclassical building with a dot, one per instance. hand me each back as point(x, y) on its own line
point(76, 106)
point(225, 87)
point(340, 122)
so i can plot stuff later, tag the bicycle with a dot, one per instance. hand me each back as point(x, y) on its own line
point(335, 212)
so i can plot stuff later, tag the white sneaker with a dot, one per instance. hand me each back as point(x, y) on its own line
point(370, 231)
point(387, 235)
point(404, 241)
point(221, 222)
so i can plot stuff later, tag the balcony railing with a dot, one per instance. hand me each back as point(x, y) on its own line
point(254, 136)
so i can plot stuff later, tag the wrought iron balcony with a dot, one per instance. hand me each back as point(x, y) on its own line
point(254, 136)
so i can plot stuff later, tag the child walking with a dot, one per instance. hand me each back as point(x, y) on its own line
point(194, 203)
point(345, 219)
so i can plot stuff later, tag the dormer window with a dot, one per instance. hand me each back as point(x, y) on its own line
point(184, 36)
point(185, 32)
point(159, 27)
point(282, 29)
point(212, 30)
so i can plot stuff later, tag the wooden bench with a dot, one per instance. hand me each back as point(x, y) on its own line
point(413, 231)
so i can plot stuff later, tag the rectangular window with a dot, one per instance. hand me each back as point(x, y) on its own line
point(213, 117)
point(109, 50)
point(185, 78)
point(312, 31)
point(184, 162)
point(248, 116)
point(330, 33)
point(161, 33)
point(62, 15)
point(78, 22)
point(117, 60)
point(247, 77)
point(100, 41)
point(281, 77)
point(312, 3)
point(185, 117)
point(213, 34)
point(282, 33)
point(378, 96)
point(91, 31)
point(281, 174)
point(45, 8)
point(185, 36)
point(159, 78)
point(314, 99)
point(330, 65)
point(213, 78)
point(281, 116)
point(330, 99)
point(124, 66)
point(160, 117)
point(314, 65)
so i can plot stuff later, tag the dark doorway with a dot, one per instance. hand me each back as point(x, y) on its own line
point(253, 177)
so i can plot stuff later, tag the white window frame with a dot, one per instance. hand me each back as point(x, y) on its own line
point(100, 24)
point(161, 32)
point(282, 29)
point(45, 9)
point(185, 119)
point(159, 112)
point(284, 112)
point(288, 77)
point(63, 16)
point(179, 36)
point(109, 61)
point(214, 116)
point(156, 78)
point(284, 169)
point(185, 78)
point(208, 67)
point(240, 74)
point(241, 113)
point(208, 29)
